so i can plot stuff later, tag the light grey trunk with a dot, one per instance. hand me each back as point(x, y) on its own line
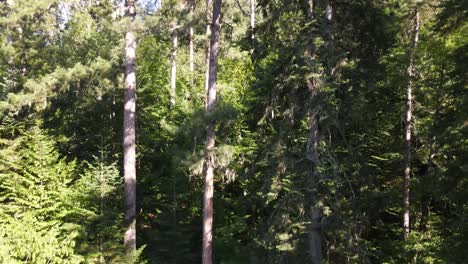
point(207, 56)
point(173, 66)
point(329, 10)
point(252, 17)
point(10, 82)
point(129, 144)
point(408, 127)
point(62, 15)
point(210, 137)
point(119, 9)
point(101, 200)
point(191, 46)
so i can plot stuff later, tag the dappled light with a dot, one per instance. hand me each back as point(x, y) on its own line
point(233, 131)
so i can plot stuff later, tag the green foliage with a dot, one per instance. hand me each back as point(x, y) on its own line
point(98, 191)
point(36, 205)
point(60, 182)
point(49, 214)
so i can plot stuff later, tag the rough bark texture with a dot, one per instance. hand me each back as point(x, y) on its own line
point(173, 65)
point(408, 128)
point(208, 37)
point(129, 146)
point(210, 138)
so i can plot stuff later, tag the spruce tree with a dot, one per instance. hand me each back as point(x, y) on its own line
point(36, 205)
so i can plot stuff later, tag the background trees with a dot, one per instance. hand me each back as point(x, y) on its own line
point(61, 165)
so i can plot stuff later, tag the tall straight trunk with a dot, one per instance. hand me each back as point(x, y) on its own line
point(129, 146)
point(101, 200)
point(252, 17)
point(208, 39)
point(312, 151)
point(210, 137)
point(173, 66)
point(329, 10)
point(315, 212)
point(408, 127)
point(175, 253)
point(191, 45)
point(10, 82)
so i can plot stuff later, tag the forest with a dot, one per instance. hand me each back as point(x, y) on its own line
point(233, 131)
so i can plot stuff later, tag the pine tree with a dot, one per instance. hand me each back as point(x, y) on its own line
point(129, 127)
point(307, 131)
point(209, 165)
point(408, 120)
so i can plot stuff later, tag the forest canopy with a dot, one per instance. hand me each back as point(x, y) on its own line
point(233, 131)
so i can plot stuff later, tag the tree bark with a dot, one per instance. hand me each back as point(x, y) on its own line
point(119, 9)
point(210, 137)
point(252, 17)
point(191, 45)
point(101, 200)
point(9, 82)
point(312, 148)
point(207, 56)
point(129, 146)
point(408, 127)
point(173, 65)
point(315, 213)
point(329, 10)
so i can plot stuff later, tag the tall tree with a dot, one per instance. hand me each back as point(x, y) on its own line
point(314, 85)
point(191, 45)
point(10, 58)
point(252, 17)
point(209, 165)
point(129, 144)
point(173, 63)
point(411, 71)
point(208, 46)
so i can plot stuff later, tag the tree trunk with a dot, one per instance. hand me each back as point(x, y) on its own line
point(312, 152)
point(101, 200)
point(210, 137)
point(207, 56)
point(119, 9)
point(315, 213)
point(129, 146)
point(408, 119)
point(329, 10)
point(191, 46)
point(252, 17)
point(173, 65)
point(9, 81)
point(175, 253)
